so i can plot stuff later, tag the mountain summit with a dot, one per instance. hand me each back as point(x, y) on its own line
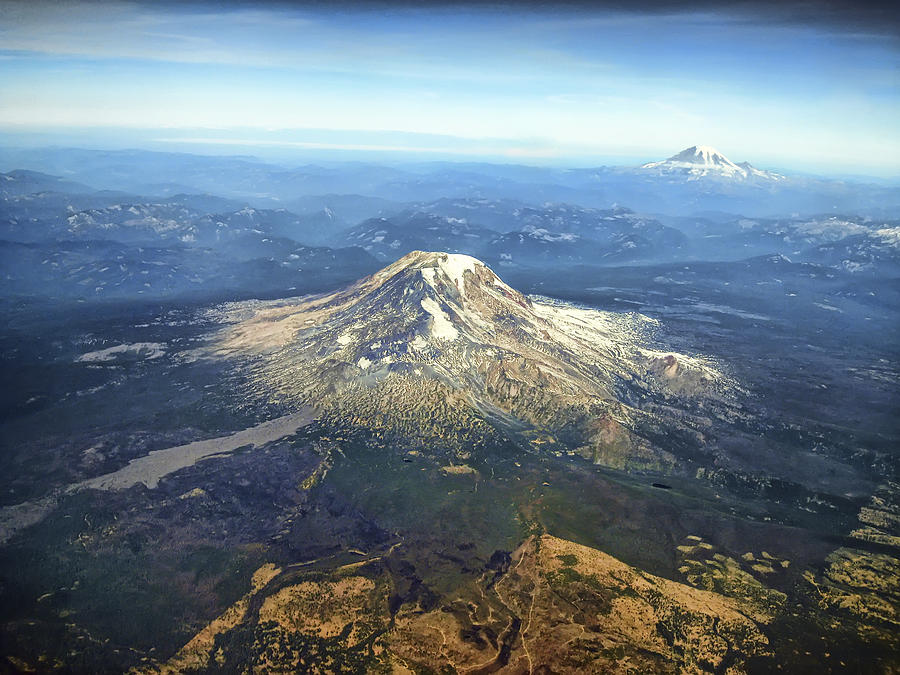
point(436, 349)
point(704, 160)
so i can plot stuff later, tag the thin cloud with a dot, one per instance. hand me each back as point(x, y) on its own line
point(468, 149)
point(577, 75)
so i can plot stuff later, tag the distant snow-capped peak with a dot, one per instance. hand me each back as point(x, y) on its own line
point(704, 160)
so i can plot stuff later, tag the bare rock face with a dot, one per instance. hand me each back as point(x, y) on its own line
point(679, 377)
point(435, 346)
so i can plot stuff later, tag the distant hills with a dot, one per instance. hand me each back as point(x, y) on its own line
point(244, 228)
point(694, 180)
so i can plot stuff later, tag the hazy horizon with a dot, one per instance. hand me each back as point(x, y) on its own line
point(298, 153)
point(579, 85)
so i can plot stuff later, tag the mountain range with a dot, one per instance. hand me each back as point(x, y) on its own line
point(270, 418)
point(57, 236)
point(696, 179)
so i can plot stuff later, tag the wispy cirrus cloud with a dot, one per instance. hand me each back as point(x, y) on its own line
point(645, 75)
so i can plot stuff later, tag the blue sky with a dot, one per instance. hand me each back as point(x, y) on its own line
point(573, 86)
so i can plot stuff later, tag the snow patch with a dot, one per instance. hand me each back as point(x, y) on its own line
point(441, 327)
point(889, 236)
point(456, 265)
point(136, 351)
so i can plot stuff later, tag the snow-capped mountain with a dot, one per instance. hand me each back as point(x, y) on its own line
point(704, 161)
point(436, 347)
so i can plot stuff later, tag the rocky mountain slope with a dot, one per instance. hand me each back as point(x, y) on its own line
point(436, 347)
point(551, 604)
